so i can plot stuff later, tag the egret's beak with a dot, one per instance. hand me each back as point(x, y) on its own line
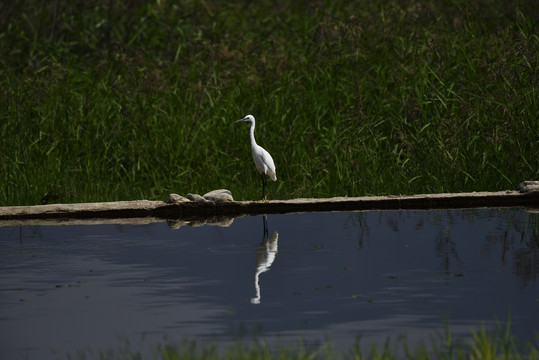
point(237, 121)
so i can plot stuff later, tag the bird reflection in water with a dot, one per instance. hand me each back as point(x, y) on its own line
point(265, 256)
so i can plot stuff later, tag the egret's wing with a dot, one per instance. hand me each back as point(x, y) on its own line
point(270, 165)
point(264, 162)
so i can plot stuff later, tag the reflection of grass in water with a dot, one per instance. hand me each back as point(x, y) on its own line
point(498, 344)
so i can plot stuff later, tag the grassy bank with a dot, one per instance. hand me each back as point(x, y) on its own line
point(118, 100)
point(482, 344)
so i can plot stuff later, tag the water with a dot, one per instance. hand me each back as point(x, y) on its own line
point(376, 274)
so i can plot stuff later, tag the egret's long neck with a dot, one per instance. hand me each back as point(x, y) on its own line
point(252, 133)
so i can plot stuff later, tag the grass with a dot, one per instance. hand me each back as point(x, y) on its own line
point(123, 100)
point(483, 344)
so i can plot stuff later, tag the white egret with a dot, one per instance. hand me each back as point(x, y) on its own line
point(262, 158)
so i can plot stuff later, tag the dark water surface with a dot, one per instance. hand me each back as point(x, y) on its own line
point(376, 274)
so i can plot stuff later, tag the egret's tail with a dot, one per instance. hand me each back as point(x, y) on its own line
point(272, 175)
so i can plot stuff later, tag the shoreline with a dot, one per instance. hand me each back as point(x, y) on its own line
point(144, 211)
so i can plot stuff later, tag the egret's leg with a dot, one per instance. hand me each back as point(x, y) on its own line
point(263, 186)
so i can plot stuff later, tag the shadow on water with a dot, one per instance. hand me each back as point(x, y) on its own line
point(376, 274)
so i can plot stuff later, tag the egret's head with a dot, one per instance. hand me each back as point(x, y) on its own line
point(250, 118)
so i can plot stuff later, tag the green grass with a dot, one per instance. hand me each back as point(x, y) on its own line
point(121, 100)
point(482, 344)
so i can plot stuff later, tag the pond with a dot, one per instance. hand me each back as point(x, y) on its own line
point(339, 275)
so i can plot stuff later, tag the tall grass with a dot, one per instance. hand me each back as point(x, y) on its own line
point(482, 344)
point(125, 100)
